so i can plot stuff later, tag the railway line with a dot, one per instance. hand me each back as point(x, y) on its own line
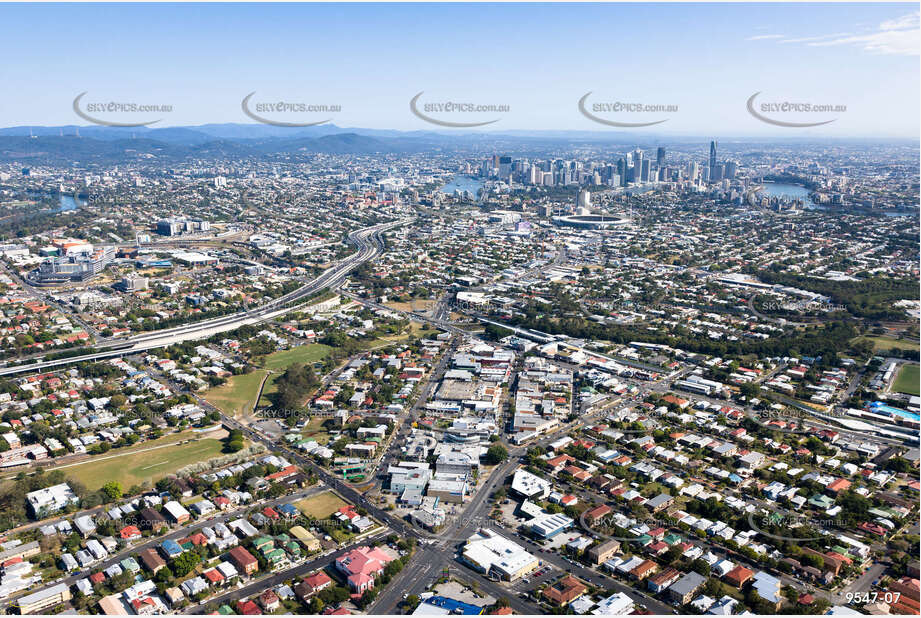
point(368, 241)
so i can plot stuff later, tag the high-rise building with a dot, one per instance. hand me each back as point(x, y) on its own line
point(536, 175)
point(622, 171)
point(584, 201)
point(644, 173)
point(716, 172)
point(712, 155)
point(660, 156)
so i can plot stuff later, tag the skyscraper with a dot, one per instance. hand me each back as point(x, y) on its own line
point(660, 156)
point(712, 154)
point(535, 175)
point(716, 172)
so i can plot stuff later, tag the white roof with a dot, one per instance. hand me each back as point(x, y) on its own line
point(488, 549)
point(618, 604)
point(528, 484)
point(175, 509)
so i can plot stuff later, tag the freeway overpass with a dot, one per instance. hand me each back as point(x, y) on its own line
point(367, 240)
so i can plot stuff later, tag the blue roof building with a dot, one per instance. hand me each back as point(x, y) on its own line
point(448, 606)
point(288, 510)
point(170, 548)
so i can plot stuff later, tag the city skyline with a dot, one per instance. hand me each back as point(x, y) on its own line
point(460, 309)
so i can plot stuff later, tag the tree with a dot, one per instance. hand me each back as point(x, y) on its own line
point(898, 464)
point(750, 389)
point(368, 597)
point(185, 562)
point(336, 594)
point(164, 575)
point(293, 386)
point(673, 554)
point(112, 490)
point(496, 454)
point(701, 566)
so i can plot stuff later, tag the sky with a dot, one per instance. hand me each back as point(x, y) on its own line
point(539, 60)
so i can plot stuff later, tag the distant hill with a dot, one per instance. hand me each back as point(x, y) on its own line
point(180, 143)
point(114, 144)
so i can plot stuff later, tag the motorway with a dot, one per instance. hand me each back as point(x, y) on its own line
point(367, 240)
point(435, 553)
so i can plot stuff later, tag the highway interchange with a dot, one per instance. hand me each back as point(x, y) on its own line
point(435, 554)
point(368, 241)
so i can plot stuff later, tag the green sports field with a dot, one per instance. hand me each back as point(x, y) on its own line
point(907, 380)
point(142, 464)
point(305, 354)
point(238, 396)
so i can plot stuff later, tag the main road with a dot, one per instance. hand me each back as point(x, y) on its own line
point(367, 240)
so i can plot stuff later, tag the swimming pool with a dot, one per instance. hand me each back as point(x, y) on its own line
point(881, 408)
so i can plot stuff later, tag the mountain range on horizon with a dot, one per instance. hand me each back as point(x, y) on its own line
point(92, 142)
point(196, 134)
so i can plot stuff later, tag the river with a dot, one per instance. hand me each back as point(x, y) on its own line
point(793, 192)
point(462, 183)
point(69, 202)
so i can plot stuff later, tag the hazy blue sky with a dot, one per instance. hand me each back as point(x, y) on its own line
point(537, 58)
